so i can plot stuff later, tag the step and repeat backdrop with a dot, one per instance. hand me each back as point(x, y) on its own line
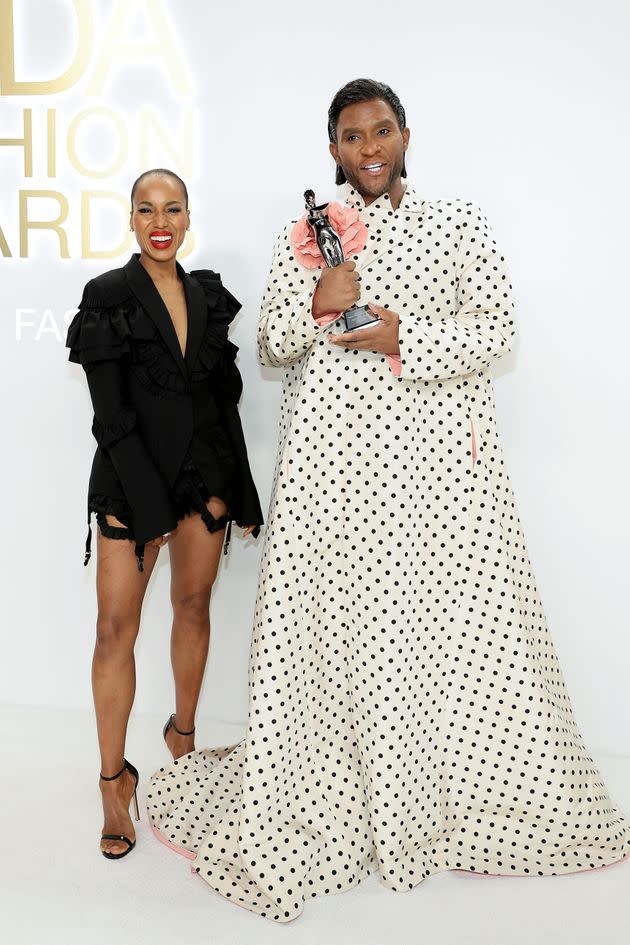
point(520, 107)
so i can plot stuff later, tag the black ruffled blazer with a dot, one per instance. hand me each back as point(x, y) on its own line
point(151, 404)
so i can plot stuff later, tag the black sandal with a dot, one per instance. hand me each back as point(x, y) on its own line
point(170, 723)
point(119, 836)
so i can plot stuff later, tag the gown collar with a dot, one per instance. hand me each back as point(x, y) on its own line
point(411, 201)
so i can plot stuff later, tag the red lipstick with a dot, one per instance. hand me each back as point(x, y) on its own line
point(161, 239)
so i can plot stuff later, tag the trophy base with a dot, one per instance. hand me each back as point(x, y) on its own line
point(357, 318)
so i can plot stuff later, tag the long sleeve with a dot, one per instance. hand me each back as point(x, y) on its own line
point(483, 328)
point(287, 329)
point(115, 430)
point(227, 389)
point(98, 338)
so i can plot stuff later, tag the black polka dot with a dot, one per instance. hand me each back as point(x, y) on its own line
point(408, 713)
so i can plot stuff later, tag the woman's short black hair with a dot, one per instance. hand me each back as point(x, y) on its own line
point(159, 172)
point(362, 90)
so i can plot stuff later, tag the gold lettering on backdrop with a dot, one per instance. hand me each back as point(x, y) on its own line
point(122, 140)
point(136, 34)
point(51, 142)
point(8, 83)
point(162, 51)
point(55, 225)
point(87, 252)
point(149, 123)
point(26, 142)
point(4, 246)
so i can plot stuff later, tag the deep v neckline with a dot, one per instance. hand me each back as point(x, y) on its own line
point(183, 350)
point(144, 289)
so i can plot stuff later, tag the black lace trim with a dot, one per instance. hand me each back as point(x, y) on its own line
point(190, 496)
point(113, 531)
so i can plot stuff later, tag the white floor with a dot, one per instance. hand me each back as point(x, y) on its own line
point(57, 888)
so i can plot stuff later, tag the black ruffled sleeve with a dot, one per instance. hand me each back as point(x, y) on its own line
point(98, 338)
point(218, 352)
point(221, 309)
point(100, 329)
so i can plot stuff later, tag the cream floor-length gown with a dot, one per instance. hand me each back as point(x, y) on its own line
point(408, 713)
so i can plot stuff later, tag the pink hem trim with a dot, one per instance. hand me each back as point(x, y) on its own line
point(394, 362)
point(167, 843)
point(478, 875)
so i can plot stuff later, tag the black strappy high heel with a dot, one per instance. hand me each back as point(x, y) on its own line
point(119, 836)
point(170, 723)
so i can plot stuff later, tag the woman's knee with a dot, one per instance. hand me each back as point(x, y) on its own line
point(116, 633)
point(192, 606)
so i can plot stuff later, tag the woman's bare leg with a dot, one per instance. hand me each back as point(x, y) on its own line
point(120, 589)
point(195, 555)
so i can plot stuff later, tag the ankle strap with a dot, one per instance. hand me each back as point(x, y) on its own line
point(127, 766)
point(114, 776)
point(179, 731)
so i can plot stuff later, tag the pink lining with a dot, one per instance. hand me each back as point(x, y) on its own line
point(478, 875)
point(473, 442)
point(394, 362)
point(327, 319)
point(167, 843)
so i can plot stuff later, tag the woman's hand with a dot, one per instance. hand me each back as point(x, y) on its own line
point(381, 337)
point(247, 530)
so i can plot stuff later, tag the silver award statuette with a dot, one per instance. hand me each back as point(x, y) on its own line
point(359, 316)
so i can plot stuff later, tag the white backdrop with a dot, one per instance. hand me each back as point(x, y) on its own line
point(522, 107)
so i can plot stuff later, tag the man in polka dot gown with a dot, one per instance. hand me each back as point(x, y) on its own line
point(407, 710)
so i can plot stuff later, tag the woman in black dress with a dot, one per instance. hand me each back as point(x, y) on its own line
point(170, 467)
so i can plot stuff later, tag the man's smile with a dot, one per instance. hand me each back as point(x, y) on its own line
point(374, 168)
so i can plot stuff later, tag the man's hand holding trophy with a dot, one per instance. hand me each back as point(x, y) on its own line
point(366, 327)
point(338, 288)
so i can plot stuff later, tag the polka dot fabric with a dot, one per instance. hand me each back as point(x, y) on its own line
point(408, 713)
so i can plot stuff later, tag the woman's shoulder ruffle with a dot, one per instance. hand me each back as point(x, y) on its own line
point(215, 348)
point(222, 305)
point(100, 330)
point(107, 290)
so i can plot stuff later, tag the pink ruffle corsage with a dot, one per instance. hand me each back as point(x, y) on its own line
point(345, 220)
